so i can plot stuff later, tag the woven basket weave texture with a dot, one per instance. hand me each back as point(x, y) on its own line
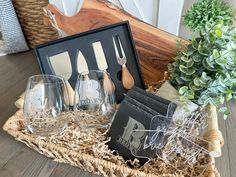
point(30, 14)
point(60, 152)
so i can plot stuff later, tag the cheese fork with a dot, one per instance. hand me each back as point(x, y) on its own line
point(126, 78)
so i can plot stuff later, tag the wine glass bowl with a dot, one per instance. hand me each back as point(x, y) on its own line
point(94, 104)
point(45, 106)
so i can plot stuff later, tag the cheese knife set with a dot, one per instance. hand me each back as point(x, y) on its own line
point(109, 49)
point(94, 71)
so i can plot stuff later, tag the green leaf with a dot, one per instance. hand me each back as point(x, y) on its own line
point(175, 64)
point(211, 37)
point(195, 44)
point(186, 70)
point(200, 48)
point(204, 77)
point(185, 59)
point(202, 82)
point(185, 77)
point(229, 97)
point(218, 33)
point(221, 89)
point(179, 80)
point(190, 94)
point(183, 90)
point(196, 88)
point(222, 99)
point(190, 63)
point(213, 90)
point(197, 58)
point(223, 109)
point(231, 46)
point(221, 61)
point(196, 82)
point(210, 62)
point(216, 54)
point(202, 99)
point(205, 65)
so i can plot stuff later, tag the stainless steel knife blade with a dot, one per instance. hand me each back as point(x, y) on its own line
point(82, 66)
point(61, 65)
point(100, 56)
point(102, 65)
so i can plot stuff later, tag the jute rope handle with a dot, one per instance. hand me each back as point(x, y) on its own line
point(214, 135)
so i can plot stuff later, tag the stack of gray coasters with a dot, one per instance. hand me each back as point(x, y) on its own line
point(137, 112)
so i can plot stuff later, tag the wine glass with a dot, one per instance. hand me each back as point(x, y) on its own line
point(94, 102)
point(45, 106)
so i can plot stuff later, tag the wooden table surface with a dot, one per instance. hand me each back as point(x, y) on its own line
point(17, 160)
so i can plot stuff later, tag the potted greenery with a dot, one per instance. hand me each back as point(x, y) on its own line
point(207, 11)
point(204, 70)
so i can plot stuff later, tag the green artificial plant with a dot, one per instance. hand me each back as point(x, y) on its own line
point(207, 11)
point(204, 70)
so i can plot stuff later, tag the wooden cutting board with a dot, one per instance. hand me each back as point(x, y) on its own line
point(155, 48)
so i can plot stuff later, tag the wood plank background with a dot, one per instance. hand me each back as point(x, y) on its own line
point(17, 160)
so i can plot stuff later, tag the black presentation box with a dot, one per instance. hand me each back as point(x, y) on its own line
point(83, 42)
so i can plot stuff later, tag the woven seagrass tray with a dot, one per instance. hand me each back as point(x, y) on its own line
point(88, 150)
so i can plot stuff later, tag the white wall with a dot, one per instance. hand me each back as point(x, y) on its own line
point(164, 14)
point(169, 15)
point(145, 10)
point(149, 10)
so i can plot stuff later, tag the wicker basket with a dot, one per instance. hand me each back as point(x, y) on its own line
point(66, 149)
point(30, 14)
point(88, 150)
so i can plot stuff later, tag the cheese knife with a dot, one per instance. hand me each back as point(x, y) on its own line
point(83, 70)
point(102, 65)
point(82, 66)
point(61, 65)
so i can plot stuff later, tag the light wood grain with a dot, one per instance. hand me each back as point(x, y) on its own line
point(19, 163)
point(9, 147)
point(222, 162)
point(41, 167)
point(63, 170)
point(231, 137)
